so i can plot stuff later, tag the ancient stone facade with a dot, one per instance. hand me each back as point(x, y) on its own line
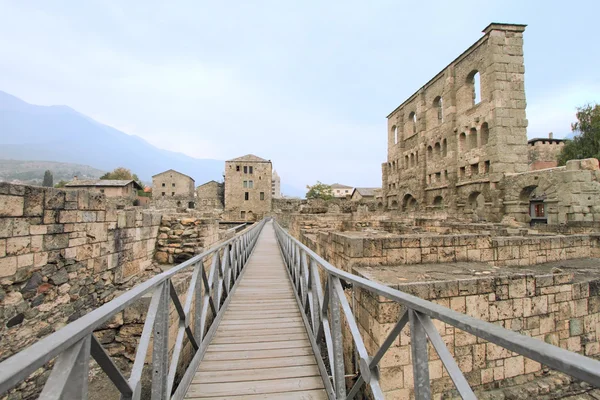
point(451, 142)
point(108, 187)
point(247, 188)
point(543, 153)
point(341, 191)
point(210, 195)
point(173, 185)
point(62, 254)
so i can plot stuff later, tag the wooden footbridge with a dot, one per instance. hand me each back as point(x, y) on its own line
point(264, 317)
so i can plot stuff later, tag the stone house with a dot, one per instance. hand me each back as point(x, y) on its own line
point(109, 187)
point(543, 152)
point(364, 194)
point(341, 191)
point(173, 184)
point(210, 195)
point(248, 188)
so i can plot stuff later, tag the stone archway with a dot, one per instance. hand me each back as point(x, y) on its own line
point(409, 203)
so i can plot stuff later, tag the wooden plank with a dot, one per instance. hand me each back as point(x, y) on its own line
point(271, 326)
point(255, 374)
point(260, 332)
point(301, 395)
point(258, 354)
point(256, 387)
point(277, 362)
point(258, 346)
point(259, 339)
point(267, 321)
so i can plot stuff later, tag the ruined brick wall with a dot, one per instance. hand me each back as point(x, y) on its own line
point(449, 145)
point(62, 254)
point(543, 153)
point(570, 194)
point(210, 196)
point(551, 308)
point(346, 250)
point(182, 236)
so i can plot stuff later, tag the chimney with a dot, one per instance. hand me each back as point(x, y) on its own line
point(550, 135)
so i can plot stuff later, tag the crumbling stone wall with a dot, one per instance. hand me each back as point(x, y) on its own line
point(449, 144)
point(182, 236)
point(543, 153)
point(551, 308)
point(570, 194)
point(62, 254)
point(348, 249)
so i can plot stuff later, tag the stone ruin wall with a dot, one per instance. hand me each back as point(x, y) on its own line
point(551, 308)
point(63, 254)
point(543, 153)
point(444, 149)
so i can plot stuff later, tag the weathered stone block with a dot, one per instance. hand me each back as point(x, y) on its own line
point(56, 242)
point(8, 266)
point(11, 206)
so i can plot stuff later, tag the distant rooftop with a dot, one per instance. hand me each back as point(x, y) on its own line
point(102, 183)
point(249, 158)
point(366, 192)
point(172, 170)
point(340, 186)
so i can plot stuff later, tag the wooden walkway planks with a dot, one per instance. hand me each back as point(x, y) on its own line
point(261, 349)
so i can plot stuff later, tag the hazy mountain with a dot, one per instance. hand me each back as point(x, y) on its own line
point(32, 172)
point(59, 133)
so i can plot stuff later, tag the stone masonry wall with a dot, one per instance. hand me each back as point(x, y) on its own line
point(62, 254)
point(551, 308)
point(182, 236)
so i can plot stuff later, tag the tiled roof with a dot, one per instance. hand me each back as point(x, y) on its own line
point(250, 158)
point(340, 186)
point(172, 170)
point(366, 192)
point(101, 183)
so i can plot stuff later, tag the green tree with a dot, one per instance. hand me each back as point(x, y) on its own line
point(586, 143)
point(123, 174)
point(319, 191)
point(48, 179)
point(61, 184)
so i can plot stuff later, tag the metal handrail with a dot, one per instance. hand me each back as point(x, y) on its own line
point(322, 309)
point(73, 345)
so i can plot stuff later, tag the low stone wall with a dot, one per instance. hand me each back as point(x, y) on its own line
point(348, 249)
point(182, 236)
point(63, 254)
point(551, 308)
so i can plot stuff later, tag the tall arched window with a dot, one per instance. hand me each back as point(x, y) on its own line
point(462, 141)
point(444, 148)
point(437, 105)
point(472, 138)
point(437, 149)
point(429, 153)
point(412, 159)
point(484, 133)
point(412, 118)
point(395, 134)
point(474, 80)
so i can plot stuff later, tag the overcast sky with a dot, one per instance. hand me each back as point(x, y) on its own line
point(306, 83)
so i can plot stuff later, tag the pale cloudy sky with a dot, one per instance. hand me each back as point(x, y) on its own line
point(306, 84)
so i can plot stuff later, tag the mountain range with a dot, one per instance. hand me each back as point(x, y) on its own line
point(59, 133)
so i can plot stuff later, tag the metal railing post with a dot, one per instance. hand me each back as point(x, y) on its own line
point(160, 350)
point(420, 358)
point(335, 319)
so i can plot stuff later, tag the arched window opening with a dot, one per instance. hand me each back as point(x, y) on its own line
point(406, 165)
point(394, 204)
point(412, 159)
point(437, 105)
point(444, 148)
point(485, 133)
point(462, 140)
point(437, 149)
point(474, 79)
point(409, 202)
point(429, 153)
point(412, 117)
point(438, 201)
point(476, 201)
point(395, 134)
point(472, 138)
